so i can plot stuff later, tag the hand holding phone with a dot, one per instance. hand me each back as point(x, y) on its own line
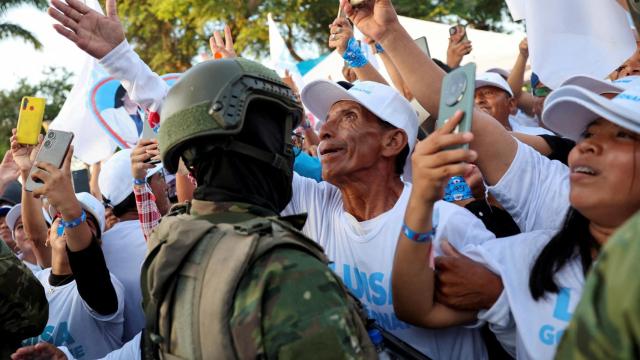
point(30, 120)
point(458, 33)
point(53, 151)
point(458, 93)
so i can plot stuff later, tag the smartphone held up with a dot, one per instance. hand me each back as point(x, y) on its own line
point(458, 92)
point(53, 151)
point(30, 120)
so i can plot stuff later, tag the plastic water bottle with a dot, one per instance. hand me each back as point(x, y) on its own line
point(378, 342)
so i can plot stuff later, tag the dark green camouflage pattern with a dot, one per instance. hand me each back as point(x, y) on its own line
point(606, 323)
point(24, 309)
point(291, 306)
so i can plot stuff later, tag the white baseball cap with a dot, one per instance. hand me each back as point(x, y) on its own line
point(15, 213)
point(573, 108)
point(91, 205)
point(116, 180)
point(502, 72)
point(493, 79)
point(603, 86)
point(382, 100)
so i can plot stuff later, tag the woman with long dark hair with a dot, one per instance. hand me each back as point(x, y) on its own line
point(543, 269)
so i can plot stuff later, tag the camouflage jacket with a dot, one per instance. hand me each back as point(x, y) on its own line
point(24, 309)
point(606, 322)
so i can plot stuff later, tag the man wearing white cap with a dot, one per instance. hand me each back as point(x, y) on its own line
point(24, 245)
point(124, 244)
point(495, 97)
point(356, 214)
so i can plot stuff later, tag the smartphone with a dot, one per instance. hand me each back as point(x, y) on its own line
point(634, 10)
point(30, 120)
point(53, 150)
point(456, 28)
point(423, 45)
point(458, 93)
point(81, 181)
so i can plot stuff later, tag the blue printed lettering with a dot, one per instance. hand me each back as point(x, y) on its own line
point(77, 352)
point(375, 284)
point(361, 278)
point(47, 334)
point(63, 335)
point(561, 311)
point(546, 334)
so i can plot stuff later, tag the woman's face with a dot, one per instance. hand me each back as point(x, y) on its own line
point(605, 174)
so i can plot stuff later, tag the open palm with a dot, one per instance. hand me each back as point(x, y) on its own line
point(94, 33)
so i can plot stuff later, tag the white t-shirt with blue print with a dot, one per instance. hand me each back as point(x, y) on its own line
point(362, 254)
point(72, 323)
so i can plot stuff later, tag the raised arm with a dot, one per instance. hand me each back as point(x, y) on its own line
point(102, 37)
point(34, 223)
point(496, 148)
point(413, 279)
point(340, 38)
point(516, 77)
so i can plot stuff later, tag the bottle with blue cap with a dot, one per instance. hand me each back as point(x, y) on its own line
point(378, 342)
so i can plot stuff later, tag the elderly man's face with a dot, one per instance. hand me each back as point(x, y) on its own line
point(351, 141)
point(496, 102)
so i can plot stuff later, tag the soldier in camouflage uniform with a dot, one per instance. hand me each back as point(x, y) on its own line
point(24, 309)
point(231, 121)
point(606, 322)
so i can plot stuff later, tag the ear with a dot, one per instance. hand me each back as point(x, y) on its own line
point(393, 142)
point(513, 106)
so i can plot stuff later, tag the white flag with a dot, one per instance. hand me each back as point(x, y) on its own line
point(91, 143)
point(571, 37)
point(281, 59)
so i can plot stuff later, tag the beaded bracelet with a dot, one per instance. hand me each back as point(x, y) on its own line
point(379, 48)
point(75, 222)
point(425, 237)
point(353, 55)
point(139, 181)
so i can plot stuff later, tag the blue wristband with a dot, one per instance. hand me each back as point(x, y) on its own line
point(75, 222)
point(139, 181)
point(353, 55)
point(425, 237)
point(379, 48)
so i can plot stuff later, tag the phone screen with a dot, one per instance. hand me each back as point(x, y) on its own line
point(423, 45)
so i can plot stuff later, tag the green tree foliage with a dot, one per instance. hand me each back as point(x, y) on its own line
point(169, 33)
point(55, 88)
point(9, 30)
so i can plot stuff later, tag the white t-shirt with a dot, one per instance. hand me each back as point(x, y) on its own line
point(72, 323)
point(538, 325)
point(129, 351)
point(124, 251)
point(362, 254)
point(534, 190)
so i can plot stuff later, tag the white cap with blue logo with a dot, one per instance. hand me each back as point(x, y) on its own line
point(573, 108)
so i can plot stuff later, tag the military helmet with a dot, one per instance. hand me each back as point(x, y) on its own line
point(210, 100)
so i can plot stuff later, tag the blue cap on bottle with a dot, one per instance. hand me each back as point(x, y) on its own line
point(376, 336)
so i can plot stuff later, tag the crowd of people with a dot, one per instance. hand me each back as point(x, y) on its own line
point(377, 235)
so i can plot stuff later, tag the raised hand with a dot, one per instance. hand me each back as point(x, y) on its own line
point(57, 184)
point(433, 165)
point(222, 49)
point(23, 155)
point(341, 32)
point(456, 51)
point(524, 48)
point(143, 152)
point(91, 31)
point(374, 18)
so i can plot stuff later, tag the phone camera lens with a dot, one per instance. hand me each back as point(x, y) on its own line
point(455, 92)
point(47, 144)
point(51, 135)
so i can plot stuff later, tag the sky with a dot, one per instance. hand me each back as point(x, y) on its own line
point(20, 60)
